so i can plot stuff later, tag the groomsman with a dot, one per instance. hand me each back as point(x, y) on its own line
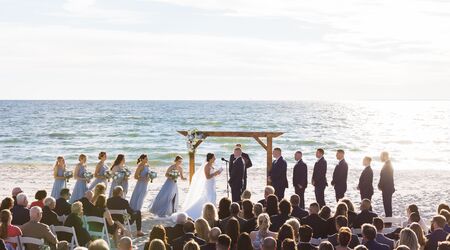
point(319, 178)
point(300, 178)
point(365, 185)
point(277, 175)
point(340, 175)
point(247, 162)
point(237, 175)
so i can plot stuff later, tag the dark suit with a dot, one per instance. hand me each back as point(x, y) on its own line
point(306, 246)
point(385, 240)
point(386, 185)
point(62, 207)
point(319, 225)
point(319, 179)
point(435, 237)
point(300, 177)
point(242, 223)
point(20, 215)
point(237, 173)
point(278, 176)
point(354, 241)
point(278, 221)
point(373, 245)
point(365, 216)
point(119, 203)
point(208, 246)
point(75, 221)
point(298, 212)
point(365, 184)
point(49, 217)
point(174, 232)
point(340, 179)
point(179, 242)
point(248, 164)
point(88, 207)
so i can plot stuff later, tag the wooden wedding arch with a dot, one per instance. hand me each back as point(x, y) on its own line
point(256, 135)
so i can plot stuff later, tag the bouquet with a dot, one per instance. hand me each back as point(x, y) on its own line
point(68, 175)
point(88, 176)
point(127, 172)
point(108, 175)
point(152, 175)
point(174, 174)
point(118, 176)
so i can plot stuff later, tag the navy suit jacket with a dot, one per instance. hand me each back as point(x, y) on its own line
point(434, 238)
point(365, 216)
point(278, 173)
point(237, 173)
point(320, 173)
point(298, 212)
point(373, 245)
point(366, 181)
point(300, 176)
point(386, 183)
point(340, 176)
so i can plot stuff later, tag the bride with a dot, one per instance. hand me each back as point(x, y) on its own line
point(202, 189)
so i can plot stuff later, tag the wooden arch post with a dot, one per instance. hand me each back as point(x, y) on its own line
point(256, 135)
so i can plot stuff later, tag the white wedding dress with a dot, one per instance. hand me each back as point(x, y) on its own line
point(201, 191)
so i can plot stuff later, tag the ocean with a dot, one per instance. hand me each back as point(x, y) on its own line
point(416, 133)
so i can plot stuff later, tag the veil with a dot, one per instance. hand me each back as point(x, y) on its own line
point(197, 189)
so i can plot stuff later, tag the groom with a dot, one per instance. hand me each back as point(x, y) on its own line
point(237, 173)
point(247, 162)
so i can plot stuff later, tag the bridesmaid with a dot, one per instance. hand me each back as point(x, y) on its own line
point(100, 171)
point(118, 165)
point(140, 190)
point(58, 174)
point(81, 184)
point(166, 202)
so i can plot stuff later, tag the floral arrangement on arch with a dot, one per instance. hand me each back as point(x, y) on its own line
point(192, 138)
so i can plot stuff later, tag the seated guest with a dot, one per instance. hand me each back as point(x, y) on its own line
point(101, 211)
point(257, 237)
point(177, 230)
point(341, 209)
point(88, 204)
point(49, 217)
point(413, 218)
point(74, 220)
point(117, 202)
point(37, 230)
point(268, 190)
point(420, 235)
point(285, 232)
point(62, 206)
point(248, 214)
point(202, 229)
point(191, 245)
point(408, 238)
point(379, 225)
point(7, 203)
point(297, 211)
point(99, 189)
point(99, 244)
point(278, 220)
point(157, 244)
point(319, 225)
point(158, 232)
point(20, 212)
point(39, 196)
point(437, 232)
point(413, 208)
point(365, 216)
point(234, 213)
point(340, 222)
point(213, 236)
point(344, 236)
point(246, 195)
point(272, 205)
point(189, 234)
point(210, 215)
point(244, 242)
point(252, 223)
point(369, 233)
point(360, 247)
point(351, 211)
point(224, 208)
point(325, 245)
point(223, 242)
point(446, 214)
point(269, 243)
point(306, 233)
point(295, 224)
point(288, 244)
point(444, 245)
point(325, 212)
point(16, 191)
point(233, 230)
point(125, 243)
point(6, 229)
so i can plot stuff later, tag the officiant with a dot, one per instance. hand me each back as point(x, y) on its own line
point(247, 164)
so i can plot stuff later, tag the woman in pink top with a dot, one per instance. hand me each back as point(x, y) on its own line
point(6, 229)
point(40, 197)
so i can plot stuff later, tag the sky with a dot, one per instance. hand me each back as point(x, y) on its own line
point(225, 50)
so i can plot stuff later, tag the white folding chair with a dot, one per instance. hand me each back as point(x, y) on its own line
point(123, 213)
point(13, 240)
point(62, 218)
point(102, 234)
point(397, 221)
point(68, 230)
point(356, 231)
point(315, 241)
point(29, 240)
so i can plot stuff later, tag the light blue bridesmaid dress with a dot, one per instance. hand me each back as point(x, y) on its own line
point(58, 184)
point(140, 191)
point(80, 186)
point(123, 183)
point(100, 180)
point(166, 202)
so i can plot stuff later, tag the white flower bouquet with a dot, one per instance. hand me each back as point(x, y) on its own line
point(174, 174)
point(68, 175)
point(152, 175)
point(88, 176)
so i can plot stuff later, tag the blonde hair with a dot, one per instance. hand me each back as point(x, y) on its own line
point(99, 244)
point(408, 238)
point(157, 244)
point(191, 245)
point(210, 214)
point(202, 228)
point(263, 222)
point(384, 156)
point(77, 208)
point(419, 233)
point(295, 226)
point(98, 190)
point(246, 195)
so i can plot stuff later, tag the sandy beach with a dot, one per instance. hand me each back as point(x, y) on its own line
point(426, 188)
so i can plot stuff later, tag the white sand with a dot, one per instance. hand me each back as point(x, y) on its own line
point(426, 188)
